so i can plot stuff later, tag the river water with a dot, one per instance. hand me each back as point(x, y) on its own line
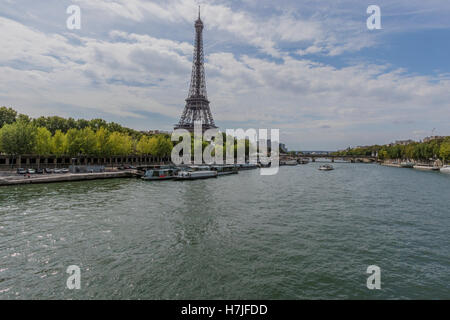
point(301, 234)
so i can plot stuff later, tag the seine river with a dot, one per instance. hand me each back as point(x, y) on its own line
point(301, 234)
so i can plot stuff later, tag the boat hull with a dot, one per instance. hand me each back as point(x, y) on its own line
point(196, 175)
point(445, 170)
point(407, 165)
point(158, 178)
point(326, 168)
point(248, 168)
point(226, 173)
point(426, 168)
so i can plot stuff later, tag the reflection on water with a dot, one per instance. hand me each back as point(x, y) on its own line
point(299, 234)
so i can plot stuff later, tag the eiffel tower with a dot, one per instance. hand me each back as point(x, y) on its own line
point(197, 103)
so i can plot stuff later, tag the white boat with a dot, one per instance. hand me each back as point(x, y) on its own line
point(445, 169)
point(193, 175)
point(326, 167)
point(159, 174)
point(407, 164)
point(224, 170)
point(303, 161)
point(196, 172)
point(425, 167)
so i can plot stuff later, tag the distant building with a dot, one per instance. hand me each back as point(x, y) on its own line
point(428, 139)
point(403, 142)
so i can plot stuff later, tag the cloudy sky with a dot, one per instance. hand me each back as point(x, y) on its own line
point(308, 67)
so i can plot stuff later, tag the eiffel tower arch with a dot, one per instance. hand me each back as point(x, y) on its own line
point(197, 104)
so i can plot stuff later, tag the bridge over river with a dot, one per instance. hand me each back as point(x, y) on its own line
point(315, 157)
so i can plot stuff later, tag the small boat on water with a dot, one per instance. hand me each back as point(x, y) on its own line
point(326, 167)
point(407, 164)
point(445, 169)
point(160, 174)
point(224, 170)
point(247, 166)
point(196, 172)
point(425, 167)
point(289, 163)
point(193, 175)
point(303, 161)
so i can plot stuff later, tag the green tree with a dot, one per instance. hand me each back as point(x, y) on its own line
point(43, 145)
point(444, 151)
point(409, 151)
point(7, 116)
point(120, 144)
point(18, 138)
point(56, 123)
point(165, 146)
point(101, 142)
point(160, 146)
point(23, 118)
point(81, 124)
point(74, 142)
point(96, 124)
point(144, 146)
point(114, 127)
point(383, 154)
point(89, 141)
point(59, 143)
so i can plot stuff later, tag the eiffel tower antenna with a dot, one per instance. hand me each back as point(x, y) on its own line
point(197, 103)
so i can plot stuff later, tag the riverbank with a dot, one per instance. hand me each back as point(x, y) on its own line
point(51, 178)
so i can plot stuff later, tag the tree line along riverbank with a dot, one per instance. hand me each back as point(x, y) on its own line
point(60, 137)
point(434, 149)
point(43, 136)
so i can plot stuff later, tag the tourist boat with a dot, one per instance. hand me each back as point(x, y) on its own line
point(159, 174)
point(407, 164)
point(193, 175)
point(196, 172)
point(303, 161)
point(445, 169)
point(289, 163)
point(248, 166)
point(425, 167)
point(224, 170)
point(326, 167)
